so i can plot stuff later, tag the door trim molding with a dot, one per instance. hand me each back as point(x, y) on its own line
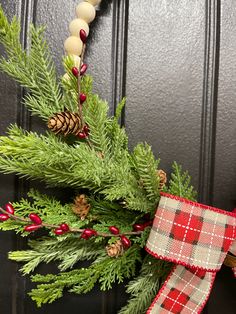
point(209, 100)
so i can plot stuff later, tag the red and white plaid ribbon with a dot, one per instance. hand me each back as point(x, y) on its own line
point(196, 238)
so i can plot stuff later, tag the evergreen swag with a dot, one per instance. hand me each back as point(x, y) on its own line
point(121, 186)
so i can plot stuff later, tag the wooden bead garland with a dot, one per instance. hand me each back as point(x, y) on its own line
point(73, 45)
point(86, 12)
point(76, 25)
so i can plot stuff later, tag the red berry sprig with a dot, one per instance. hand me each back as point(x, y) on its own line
point(114, 230)
point(75, 71)
point(82, 98)
point(83, 36)
point(82, 135)
point(31, 228)
point(37, 223)
point(62, 229)
point(125, 241)
point(35, 219)
point(58, 231)
point(10, 209)
point(138, 227)
point(34, 222)
point(4, 217)
point(88, 233)
point(83, 69)
point(86, 129)
point(141, 227)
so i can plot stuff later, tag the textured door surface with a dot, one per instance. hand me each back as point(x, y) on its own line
point(176, 62)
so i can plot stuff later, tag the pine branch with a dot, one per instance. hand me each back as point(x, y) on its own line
point(95, 115)
point(68, 251)
point(144, 288)
point(109, 214)
point(35, 70)
point(10, 38)
point(120, 268)
point(44, 69)
point(117, 135)
point(119, 109)
point(49, 159)
point(146, 168)
point(83, 280)
point(180, 183)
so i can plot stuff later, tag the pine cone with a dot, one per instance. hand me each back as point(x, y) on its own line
point(81, 206)
point(163, 178)
point(115, 250)
point(65, 123)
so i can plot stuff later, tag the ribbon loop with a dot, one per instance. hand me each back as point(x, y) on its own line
point(196, 238)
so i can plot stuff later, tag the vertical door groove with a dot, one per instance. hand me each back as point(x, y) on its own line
point(119, 52)
point(209, 101)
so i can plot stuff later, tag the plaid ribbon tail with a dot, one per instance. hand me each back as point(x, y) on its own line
point(233, 251)
point(185, 291)
point(196, 238)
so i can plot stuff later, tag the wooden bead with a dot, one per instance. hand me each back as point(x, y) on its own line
point(86, 11)
point(94, 2)
point(73, 45)
point(76, 25)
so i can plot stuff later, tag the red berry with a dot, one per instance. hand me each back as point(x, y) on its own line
point(31, 228)
point(59, 231)
point(148, 223)
point(138, 227)
point(64, 227)
point(82, 135)
point(4, 217)
point(88, 233)
point(35, 218)
point(86, 129)
point(125, 241)
point(82, 98)
point(83, 69)
point(114, 230)
point(75, 71)
point(10, 209)
point(83, 35)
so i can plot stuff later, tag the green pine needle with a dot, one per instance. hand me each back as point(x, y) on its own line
point(180, 183)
